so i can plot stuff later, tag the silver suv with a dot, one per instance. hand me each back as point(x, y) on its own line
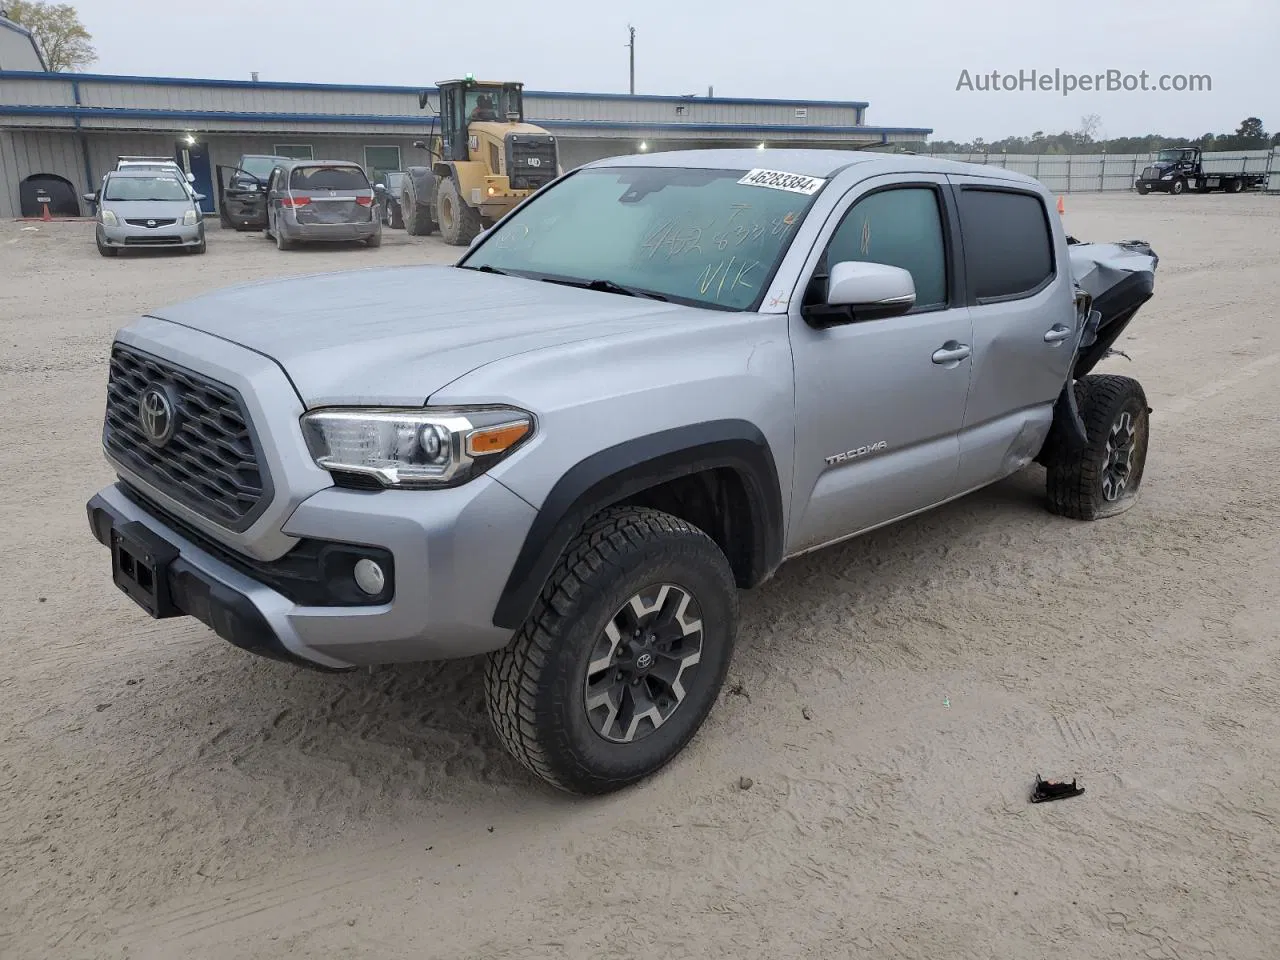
point(642, 390)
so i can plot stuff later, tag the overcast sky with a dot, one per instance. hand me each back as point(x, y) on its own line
point(904, 56)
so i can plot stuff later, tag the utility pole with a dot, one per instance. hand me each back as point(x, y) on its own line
point(632, 31)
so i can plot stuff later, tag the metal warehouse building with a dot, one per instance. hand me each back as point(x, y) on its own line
point(69, 129)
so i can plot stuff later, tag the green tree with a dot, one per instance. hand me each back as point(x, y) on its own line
point(59, 33)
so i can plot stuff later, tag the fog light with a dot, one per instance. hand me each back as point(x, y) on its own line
point(369, 577)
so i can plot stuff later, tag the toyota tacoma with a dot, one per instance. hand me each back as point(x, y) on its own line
point(638, 393)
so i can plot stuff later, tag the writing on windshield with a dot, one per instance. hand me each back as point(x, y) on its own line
point(698, 236)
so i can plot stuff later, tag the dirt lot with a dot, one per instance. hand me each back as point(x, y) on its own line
point(165, 795)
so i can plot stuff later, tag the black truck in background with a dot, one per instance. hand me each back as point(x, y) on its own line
point(1180, 169)
point(242, 191)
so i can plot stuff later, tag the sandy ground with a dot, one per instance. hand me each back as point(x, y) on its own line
point(165, 795)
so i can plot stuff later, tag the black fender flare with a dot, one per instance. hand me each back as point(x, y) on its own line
point(626, 469)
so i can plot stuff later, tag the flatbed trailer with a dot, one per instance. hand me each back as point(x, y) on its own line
point(1181, 169)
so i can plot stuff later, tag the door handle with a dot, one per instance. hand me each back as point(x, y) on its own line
point(1057, 333)
point(951, 353)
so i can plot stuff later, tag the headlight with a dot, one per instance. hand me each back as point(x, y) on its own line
point(1167, 176)
point(108, 219)
point(415, 448)
point(189, 218)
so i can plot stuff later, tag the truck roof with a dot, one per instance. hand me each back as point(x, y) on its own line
point(809, 163)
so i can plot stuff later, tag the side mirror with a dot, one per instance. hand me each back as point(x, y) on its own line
point(419, 144)
point(199, 197)
point(859, 291)
point(379, 188)
point(89, 197)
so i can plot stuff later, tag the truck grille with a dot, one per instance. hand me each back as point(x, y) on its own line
point(205, 458)
point(152, 223)
point(531, 160)
point(1151, 173)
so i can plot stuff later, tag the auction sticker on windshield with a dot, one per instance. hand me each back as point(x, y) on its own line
point(781, 180)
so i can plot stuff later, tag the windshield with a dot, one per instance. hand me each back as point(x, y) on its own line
point(145, 188)
point(700, 237)
point(328, 178)
point(259, 167)
point(491, 103)
point(1172, 155)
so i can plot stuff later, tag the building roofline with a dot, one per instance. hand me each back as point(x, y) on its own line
point(82, 113)
point(378, 88)
point(19, 28)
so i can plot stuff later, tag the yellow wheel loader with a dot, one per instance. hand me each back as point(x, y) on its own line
point(483, 160)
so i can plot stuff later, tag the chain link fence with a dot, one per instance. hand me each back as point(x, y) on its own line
point(1096, 172)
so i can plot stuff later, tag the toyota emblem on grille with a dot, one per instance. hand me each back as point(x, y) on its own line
point(157, 416)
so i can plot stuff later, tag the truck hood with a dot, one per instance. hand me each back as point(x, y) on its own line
point(396, 335)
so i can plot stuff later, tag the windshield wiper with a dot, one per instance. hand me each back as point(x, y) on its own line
point(485, 268)
point(607, 286)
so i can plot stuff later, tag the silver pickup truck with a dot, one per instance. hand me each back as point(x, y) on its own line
point(641, 391)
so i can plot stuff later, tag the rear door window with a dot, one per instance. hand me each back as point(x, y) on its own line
point(310, 179)
point(1008, 245)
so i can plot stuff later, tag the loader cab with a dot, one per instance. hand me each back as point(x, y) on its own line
point(464, 102)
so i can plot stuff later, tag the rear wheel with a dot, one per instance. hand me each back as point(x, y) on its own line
point(395, 216)
point(1103, 479)
point(623, 655)
point(459, 223)
point(281, 242)
point(374, 241)
point(1235, 186)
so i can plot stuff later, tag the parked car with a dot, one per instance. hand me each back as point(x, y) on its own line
point(167, 164)
point(322, 200)
point(644, 388)
point(242, 191)
point(392, 183)
point(147, 208)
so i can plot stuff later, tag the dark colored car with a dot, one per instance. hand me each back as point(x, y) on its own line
point(392, 182)
point(322, 200)
point(242, 191)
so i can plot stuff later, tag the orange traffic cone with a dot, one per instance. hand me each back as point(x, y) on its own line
point(1062, 207)
point(45, 216)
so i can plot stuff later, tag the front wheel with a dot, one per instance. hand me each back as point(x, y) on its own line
point(1143, 189)
point(1103, 478)
point(623, 655)
point(1178, 187)
point(415, 215)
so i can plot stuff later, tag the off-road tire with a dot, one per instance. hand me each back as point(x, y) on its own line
point(459, 223)
point(416, 216)
point(1143, 189)
point(1082, 485)
point(1178, 187)
point(535, 688)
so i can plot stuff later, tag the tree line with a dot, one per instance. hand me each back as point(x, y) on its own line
point(1250, 135)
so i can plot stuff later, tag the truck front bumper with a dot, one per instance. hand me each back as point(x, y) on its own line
point(451, 550)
